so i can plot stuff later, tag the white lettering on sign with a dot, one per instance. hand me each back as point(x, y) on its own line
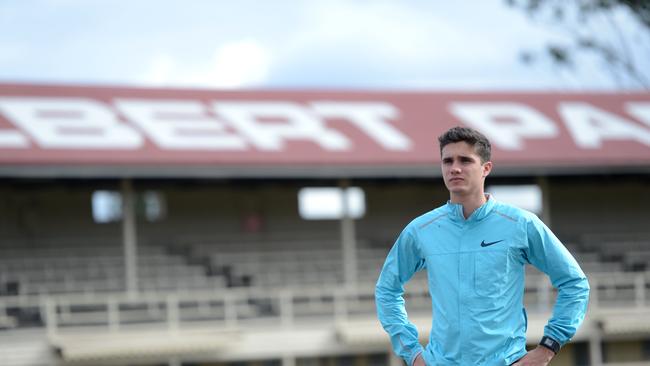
point(180, 125)
point(371, 118)
point(640, 111)
point(75, 123)
point(12, 139)
point(507, 125)
point(268, 124)
point(70, 123)
point(589, 126)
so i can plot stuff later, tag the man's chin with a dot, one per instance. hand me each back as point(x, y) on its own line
point(459, 191)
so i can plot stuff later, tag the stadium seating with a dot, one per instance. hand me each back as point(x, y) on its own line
point(211, 265)
point(75, 268)
point(254, 283)
point(95, 268)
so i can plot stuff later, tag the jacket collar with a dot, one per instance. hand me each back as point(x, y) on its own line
point(456, 210)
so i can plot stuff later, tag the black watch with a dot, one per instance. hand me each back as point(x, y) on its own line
point(550, 343)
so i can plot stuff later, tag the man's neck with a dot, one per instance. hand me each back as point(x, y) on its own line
point(470, 202)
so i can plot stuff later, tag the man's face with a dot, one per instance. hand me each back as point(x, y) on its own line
point(462, 170)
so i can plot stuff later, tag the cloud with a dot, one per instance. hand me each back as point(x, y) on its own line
point(235, 64)
point(396, 44)
point(160, 70)
point(240, 63)
point(386, 29)
point(342, 44)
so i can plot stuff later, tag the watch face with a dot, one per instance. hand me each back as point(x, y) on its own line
point(550, 343)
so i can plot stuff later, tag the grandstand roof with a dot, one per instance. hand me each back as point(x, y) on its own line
point(90, 131)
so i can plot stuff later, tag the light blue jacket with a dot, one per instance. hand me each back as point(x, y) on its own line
point(475, 270)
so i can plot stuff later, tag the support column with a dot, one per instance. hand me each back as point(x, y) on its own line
point(51, 318)
point(639, 290)
point(393, 360)
point(286, 307)
point(542, 182)
point(348, 237)
point(129, 237)
point(288, 360)
point(595, 345)
point(173, 317)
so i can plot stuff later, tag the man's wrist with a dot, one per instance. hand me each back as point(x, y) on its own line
point(418, 354)
point(550, 343)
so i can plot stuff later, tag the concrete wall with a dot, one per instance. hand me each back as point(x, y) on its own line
point(599, 204)
point(37, 211)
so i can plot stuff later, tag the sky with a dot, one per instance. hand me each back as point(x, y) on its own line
point(288, 44)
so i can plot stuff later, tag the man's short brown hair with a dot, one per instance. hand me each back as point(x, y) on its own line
point(480, 143)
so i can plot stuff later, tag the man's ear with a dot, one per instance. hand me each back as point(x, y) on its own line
point(487, 168)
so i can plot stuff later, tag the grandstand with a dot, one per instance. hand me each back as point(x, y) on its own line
point(225, 271)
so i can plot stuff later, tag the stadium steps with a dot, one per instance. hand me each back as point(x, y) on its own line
point(89, 269)
point(26, 348)
point(290, 264)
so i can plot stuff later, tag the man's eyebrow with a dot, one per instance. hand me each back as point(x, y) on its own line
point(458, 156)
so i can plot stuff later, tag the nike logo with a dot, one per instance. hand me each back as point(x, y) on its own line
point(484, 244)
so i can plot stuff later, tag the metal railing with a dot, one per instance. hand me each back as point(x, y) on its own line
point(239, 307)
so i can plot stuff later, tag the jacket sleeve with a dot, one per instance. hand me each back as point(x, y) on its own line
point(546, 252)
point(402, 262)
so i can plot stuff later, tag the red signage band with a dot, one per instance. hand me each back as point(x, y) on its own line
point(66, 125)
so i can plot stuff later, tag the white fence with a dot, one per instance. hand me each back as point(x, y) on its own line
point(239, 307)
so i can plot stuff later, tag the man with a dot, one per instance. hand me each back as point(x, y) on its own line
point(474, 249)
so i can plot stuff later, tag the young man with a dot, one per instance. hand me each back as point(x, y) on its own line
point(474, 249)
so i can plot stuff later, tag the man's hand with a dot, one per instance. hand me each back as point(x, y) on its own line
point(419, 361)
point(540, 356)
